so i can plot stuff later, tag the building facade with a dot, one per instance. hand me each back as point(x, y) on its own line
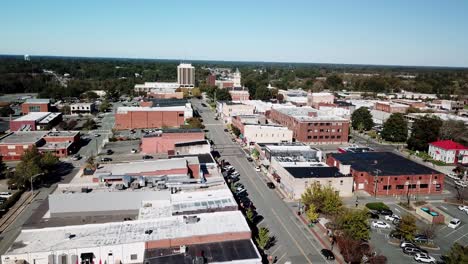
point(82, 108)
point(150, 117)
point(186, 75)
point(35, 121)
point(385, 173)
point(314, 99)
point(165, 140)
point(35, 105)
point(390, 107)
point(309, 126)
point(449, 152)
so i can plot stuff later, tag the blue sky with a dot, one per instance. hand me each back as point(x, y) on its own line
point(415, 32)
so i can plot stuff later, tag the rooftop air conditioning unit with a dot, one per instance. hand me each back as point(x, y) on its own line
point(191, 219)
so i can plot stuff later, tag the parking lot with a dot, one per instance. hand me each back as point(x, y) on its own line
point(447, 236)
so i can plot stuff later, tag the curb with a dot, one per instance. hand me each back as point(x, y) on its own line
point(428, 248)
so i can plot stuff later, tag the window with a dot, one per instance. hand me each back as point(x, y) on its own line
point(315, 137)
point(332, 136)
point(321, 130)
point(133, 256)
point(338, 136)
point(423, 186)
point(333, 130)
point(326, 136)
point(420, 177)
point(321, 137)
point(341, 182)
point(400, 187)
point(181, 114)
point(435, 177)
point(34, 108)
point(387, 187)
point(396, 179)
point(407, 178)
point(327, 124)
point(412, 186)
point(438, 187)
point(309, 137)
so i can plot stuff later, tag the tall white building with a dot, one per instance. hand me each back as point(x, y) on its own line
point(186, 75)
point(236, 78)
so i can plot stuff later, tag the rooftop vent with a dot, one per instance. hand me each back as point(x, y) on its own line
point(148, 232)
point(191, 219)
point(70, 236)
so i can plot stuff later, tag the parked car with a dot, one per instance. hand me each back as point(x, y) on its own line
point(405, 244)
point(237, 185)
point(385, 212)
point(225, 130)
point(271, 185)
point(424, 258)
point(106, 159)
point(109, 152)
point(463, 208)
point(249, 159)
point(234, 140)
point(380, 224)
point(97, 135)
point(133, 151)
point(392, 217)
point(76, 157)
point(257, 168)
point(421, 239)
point(454, 223)
point(328, 254)
point(414, 251)
point(373, 215)
point(146, 157)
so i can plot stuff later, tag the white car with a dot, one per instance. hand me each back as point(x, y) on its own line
point(461, 183)
point(454, 223)
point(380, 224)
point(424, 258)
point(257, 168)
point(463, 208)
point(392, 217)
point(134, 151)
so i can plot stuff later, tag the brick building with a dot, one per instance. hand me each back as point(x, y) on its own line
point(35, 121)
point(60, 143)
point(254, 129)
point(390, 107)
point(312, 126)
point(315, 99)
point(151, 117)
point(239, 94)
point(226, 110)
point(385, 173)
point(164, 141)
point(166, 95)
point(35, 105)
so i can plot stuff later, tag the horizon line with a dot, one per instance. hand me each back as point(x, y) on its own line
point(240, 61)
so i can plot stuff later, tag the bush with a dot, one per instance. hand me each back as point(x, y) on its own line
point(377, 206)
point(11, 201)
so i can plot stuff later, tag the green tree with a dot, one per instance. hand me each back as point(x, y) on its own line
point(395, 129)
point(104, 106)
point(454, 130)
point(91, 96)
point(361, 119)
point(263, 238)
point(355, 224)
point(90, 124)
point(3, 168)
point(250, 214)
point(457, 254)
point(6, 111)
point(91, 163)
point(48, 162)
point(334, 82)
point(194, 122)
point(196, 92)
point(223, 95)
point(255, 153)
point(312, 214)
point(236, 131)
point(262, 93)
point(407, 226)
point(324, 198)
point(424, 130)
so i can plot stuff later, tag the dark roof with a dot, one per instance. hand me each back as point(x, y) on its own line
point(182, 130)
point(314, 172)
point(167, 102)
point(343, 103)
point(203, 158)
point(191, 143)
point(211, 252)
point(388, 164)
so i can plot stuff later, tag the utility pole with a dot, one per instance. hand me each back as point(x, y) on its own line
point(376, 180)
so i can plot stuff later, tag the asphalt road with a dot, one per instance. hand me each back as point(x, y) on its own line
point(294, 243)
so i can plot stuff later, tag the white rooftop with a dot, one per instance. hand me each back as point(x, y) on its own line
point(33, 116)
point(121, 233)
point(138, 167)
point(37, 101)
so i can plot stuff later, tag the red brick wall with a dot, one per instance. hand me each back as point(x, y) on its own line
point(327, 131)
point(194, 170)
point(166, 141)
point(19, 150)
point(25, 107)
point(16, 125)
point(237, 123)
point(211, 80)
point(176, 95)
point(149, 119)
point(368, 181)
point(193, 240)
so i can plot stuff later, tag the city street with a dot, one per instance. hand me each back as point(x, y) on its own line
point(294, 243)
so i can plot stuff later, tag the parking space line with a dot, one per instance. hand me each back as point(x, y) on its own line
point(456, 230)
point(274, 251)
point(278, 261)
point(461, 237)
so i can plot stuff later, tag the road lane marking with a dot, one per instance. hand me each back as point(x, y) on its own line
point(278, 261)
point(396, 209)
point(443, 207)
point(292, 237)
point(272, 253)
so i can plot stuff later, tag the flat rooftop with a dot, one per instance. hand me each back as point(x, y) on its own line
point(62, 133)
point(121, 233)
point(33, 116)
point(192, 143)
point(203, 158)
point(227, 251)
point(138, 167)
point(23, 137)
point(37, 101)
point(314, 172)
point(389, 164)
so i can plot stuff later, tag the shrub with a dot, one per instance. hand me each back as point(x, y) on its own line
point(11, 201)
point(377, 206)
